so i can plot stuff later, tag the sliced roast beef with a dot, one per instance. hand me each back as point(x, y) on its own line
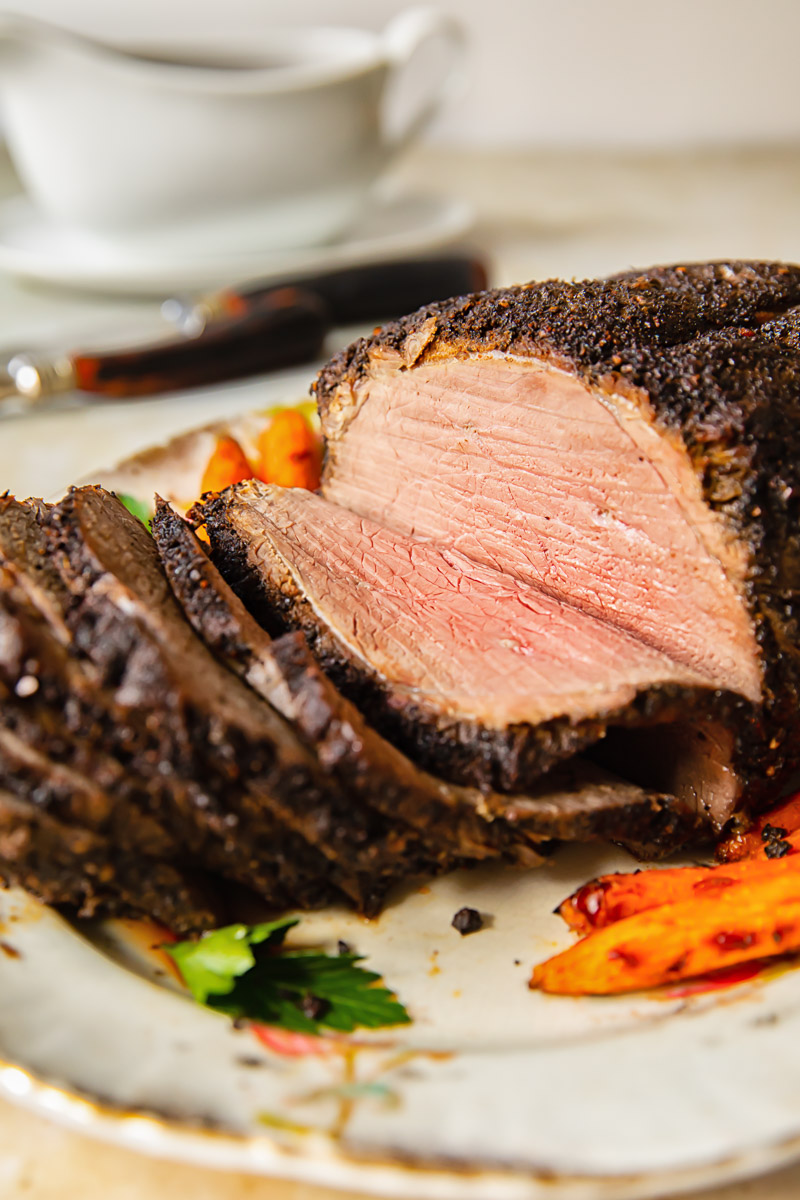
point(119, 697)
point(72, 797)
point(285, 673)
point(555, 555)
point(557, 485)
point(249, 754)
point(469, 668)
point(25, 553)
point(66, 865)
point(80, 720)
point(472, 822)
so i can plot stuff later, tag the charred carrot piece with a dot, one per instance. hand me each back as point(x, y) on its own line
point(227, 465)
point(289, 452)
point(612, 898)
point(772, 826)
point(755, 920)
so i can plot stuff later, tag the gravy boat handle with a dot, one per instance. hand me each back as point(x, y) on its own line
point(402, 40)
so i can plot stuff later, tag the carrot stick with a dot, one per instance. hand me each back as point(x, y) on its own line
point(228, 465)
point(759, 918)
point(612, 898)
point(289, 452)
point(785, 819)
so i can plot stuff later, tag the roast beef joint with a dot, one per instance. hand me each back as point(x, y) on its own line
point(547, 591)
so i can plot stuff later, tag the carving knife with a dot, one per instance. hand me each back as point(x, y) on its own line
point(237, 333)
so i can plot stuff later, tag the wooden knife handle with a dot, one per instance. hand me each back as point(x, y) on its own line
point(281, 328)
point(377, 291)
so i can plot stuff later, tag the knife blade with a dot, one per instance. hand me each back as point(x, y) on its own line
point(285, 328)
point(236, 333)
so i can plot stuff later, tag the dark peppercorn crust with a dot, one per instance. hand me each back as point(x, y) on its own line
point(713, 349)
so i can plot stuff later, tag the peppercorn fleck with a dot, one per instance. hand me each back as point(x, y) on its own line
point(777, 849)
point(467, 920)
point(771, 833)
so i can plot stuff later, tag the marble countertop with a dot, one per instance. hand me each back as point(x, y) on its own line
point(537, 216)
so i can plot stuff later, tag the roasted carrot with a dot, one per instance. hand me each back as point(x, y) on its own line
point(779, 823)
point(227, 465)
point(289, 452)
point(757, 919)
point(612, 898)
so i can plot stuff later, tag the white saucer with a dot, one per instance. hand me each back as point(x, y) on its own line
point(32, 248)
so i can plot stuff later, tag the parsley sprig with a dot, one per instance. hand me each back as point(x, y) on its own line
point(243, 971)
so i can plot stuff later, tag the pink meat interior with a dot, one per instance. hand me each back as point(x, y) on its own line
point(459, 635)
point(571, 496)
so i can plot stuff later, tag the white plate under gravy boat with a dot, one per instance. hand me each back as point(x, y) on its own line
point(393, 226)
point(492, 1093)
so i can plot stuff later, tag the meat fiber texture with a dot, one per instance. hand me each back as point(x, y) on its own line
point(557, 519)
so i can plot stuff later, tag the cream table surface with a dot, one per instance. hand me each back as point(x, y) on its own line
point(537, 216)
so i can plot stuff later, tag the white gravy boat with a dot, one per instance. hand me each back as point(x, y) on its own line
point(272, 140)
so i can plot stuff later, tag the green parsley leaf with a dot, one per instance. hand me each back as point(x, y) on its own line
point(240, 970)
point(211, 965)
point(138, 508)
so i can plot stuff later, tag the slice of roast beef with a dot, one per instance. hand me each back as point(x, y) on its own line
point(285, 673)
point(465, 666)
point(626, 445)
point(24, 552)
point(80, 721)
point(581, 803)
point(251, 756)
point(559, 486)
point(72, 797)
point(66, 865)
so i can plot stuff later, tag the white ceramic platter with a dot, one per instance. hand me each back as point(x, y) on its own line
point(394, 226)
point(492, 1092)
